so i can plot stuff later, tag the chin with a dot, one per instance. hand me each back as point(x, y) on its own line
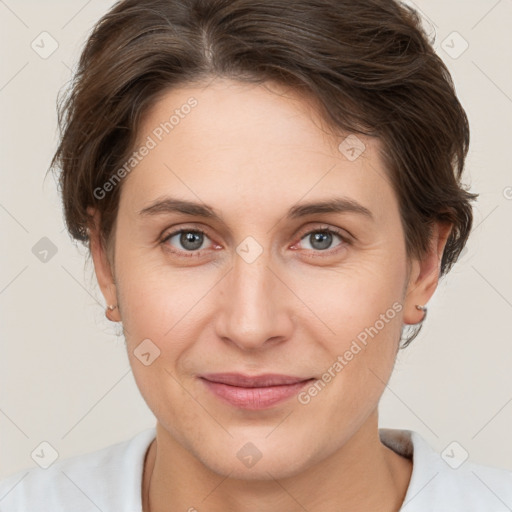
point(258, 460)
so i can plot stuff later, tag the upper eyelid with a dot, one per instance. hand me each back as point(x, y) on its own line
point(336, 231)
point(302, 232)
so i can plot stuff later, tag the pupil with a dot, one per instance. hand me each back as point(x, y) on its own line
point(323, 238)
point(191, 238)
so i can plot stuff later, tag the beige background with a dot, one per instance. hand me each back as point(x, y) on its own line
point(65, 377)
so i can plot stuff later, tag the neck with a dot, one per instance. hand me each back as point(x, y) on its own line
point(362, 475)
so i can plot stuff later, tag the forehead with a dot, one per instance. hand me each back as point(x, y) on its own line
point(249, 141)
point(267, 113)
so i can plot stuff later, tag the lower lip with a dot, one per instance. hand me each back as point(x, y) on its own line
point(254, 398)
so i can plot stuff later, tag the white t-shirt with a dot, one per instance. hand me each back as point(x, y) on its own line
point(110, 480)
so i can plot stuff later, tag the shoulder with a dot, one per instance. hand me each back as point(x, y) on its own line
point(449, 482)
point(106, 479)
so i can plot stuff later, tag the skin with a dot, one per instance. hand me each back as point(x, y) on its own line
point(251, 152)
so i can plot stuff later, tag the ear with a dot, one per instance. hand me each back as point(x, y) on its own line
point(102, 265)
point(424, 274)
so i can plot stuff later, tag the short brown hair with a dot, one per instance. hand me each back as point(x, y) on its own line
point(368, 64)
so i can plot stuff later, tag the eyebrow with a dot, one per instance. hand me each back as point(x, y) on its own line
point(335, 205)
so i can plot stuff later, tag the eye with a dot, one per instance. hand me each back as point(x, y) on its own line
point(188, 241)
point(192, 242)
point(321, 240)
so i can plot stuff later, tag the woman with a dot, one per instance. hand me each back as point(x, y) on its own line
point(270, 192)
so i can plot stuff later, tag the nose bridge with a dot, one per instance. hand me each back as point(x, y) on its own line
point(251, 280)
point(253, 309)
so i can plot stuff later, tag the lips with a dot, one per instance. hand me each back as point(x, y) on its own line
point(253, 392)
point(256, 381)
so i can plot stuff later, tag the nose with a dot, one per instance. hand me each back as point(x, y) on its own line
point(254, 308)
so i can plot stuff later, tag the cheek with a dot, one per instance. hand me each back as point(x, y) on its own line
point(160, 308)
point(155, 313)
point(359, 319)
point(157, 298)
point(358, 360)
point(353, 299)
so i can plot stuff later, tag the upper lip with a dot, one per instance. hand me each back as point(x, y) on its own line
point(253, 381)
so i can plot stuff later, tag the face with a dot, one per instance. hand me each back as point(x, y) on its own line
point(254, 279)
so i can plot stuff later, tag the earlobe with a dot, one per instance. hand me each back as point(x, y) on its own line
point(424, 276)
point(424, 309)
point(108, 312)
point(102, 266)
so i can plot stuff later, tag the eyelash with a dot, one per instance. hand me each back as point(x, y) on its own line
point(188, 254)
